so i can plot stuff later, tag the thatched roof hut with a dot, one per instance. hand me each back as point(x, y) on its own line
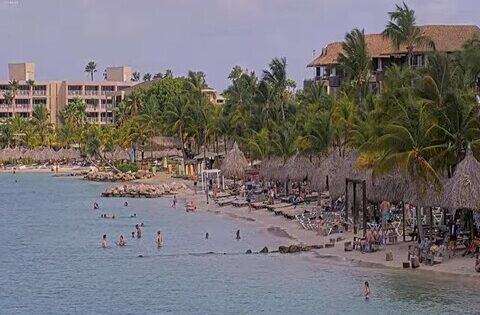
point(161, 143)
point(297, 168)
point(386, 187)
point(271, 168)
point(234, 164)
point(462, 191)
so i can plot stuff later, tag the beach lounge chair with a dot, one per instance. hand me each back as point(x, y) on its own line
point(258, 205)
point(240, 203)
point(277, 206)
point(225, 201)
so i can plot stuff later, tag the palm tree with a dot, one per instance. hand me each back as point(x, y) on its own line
point(122, 112)
point(356, 62)
point(158, 75)
point(402, 29)
point(147, 77)
point(40, 122)
point(31, 84)
point(8, 96)
point(13, 86)
point(259, 144)
point(136, 76)
point(91, 68)
point(178, 120)
point(277, 77)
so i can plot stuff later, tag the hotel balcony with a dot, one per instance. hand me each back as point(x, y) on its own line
point(75, 92)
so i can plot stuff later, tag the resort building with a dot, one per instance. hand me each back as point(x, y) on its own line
point(56, 94)
point(447, 38)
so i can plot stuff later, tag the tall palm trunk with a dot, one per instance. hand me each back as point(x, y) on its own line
point(184, 154)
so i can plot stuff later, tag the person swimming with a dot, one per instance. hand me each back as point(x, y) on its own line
point(366, 290)
point(95, 205)
point(133, 215)
point(139, 231)
point(103, 243)
point(159, 239)
point(133, 234)
point(121, 241)
point(238, 235)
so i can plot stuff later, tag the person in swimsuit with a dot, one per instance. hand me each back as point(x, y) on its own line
point(174, 203)
point(133, 234)
point(366, 290)
point(139, 231)
point(95, 205)
point(121, 241)
point(206, 235)
point(238, 235)
point(103, 243)
point(159, 239)
point(125, 204)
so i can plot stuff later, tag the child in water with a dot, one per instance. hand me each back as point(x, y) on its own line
point(103, 243)
point(366, 290)
point(121, 242)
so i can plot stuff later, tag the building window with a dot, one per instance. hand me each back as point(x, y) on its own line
point(418, 60)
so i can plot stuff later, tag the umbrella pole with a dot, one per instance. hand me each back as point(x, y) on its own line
point(364, 192)
point(355, 216)
point(403, 220)
point(419, 223)
point(346, 200)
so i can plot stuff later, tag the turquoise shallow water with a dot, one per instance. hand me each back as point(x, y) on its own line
point(51, 263)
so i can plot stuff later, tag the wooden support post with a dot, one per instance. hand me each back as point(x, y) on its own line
point(364, 197)
point(346, 200)
point(403, 220)
point(431, 224)
point(355, 215)
point(326, 182)
point(419, 223)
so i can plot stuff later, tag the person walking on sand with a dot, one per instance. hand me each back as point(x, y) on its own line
point(103, 243)
point(238, 235)
point(159, 239)
point(174, 202)
point(366, 290)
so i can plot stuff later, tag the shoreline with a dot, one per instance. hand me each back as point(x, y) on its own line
point(289, 232)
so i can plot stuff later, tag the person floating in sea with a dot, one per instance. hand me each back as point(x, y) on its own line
point(103, 243)
point(366, 290)
point(139, 231)
point(125, 204)
point(174, 202)
point(238, 235)
point(95, 205)
point(133, 215)
point(159, 239)
point(121, 241)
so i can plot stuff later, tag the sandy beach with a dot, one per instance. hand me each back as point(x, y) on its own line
point(62, 170)
point(288, 232)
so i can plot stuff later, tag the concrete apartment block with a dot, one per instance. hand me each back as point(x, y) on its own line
point(21, 71)
point(119, 74)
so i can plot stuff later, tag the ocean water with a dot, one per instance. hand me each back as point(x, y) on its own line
point(51, 263)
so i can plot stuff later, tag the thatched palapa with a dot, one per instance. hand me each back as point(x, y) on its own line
point(297, 168)
point(234, 164)
point(462, 191)
point(270, 168)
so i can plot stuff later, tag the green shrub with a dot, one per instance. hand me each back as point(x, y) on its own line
point(127, 167)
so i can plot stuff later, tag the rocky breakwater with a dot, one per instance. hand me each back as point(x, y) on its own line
point(116, 177)
point(143, 190)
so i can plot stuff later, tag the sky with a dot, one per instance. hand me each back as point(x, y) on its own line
point(61, 36)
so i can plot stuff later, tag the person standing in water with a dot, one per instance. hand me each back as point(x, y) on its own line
point(103, 243)
point(159, 239)
point(174, 203)
point(125, 204)
point(139, 231)
point(121, 242)
point(133, 234)
point(366, 290)
point(238, 235)
point(206, 236)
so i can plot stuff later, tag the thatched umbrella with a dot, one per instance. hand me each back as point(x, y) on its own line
point(462, 191)
point(386, 187)
point(234, 164)
point(297, 168)
point(269, 166)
